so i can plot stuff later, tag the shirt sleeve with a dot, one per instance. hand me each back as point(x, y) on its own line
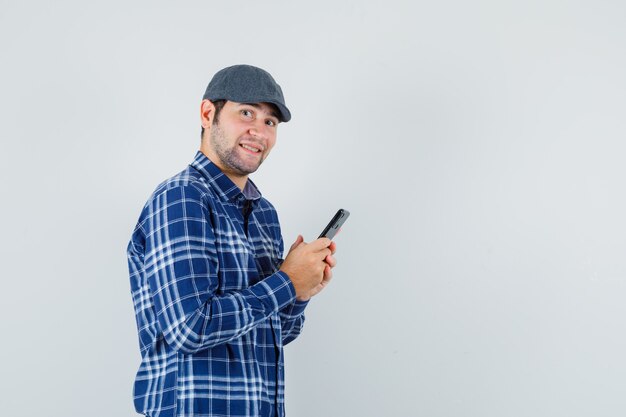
point(292, 315)
point(292, 320)
point(181, 265)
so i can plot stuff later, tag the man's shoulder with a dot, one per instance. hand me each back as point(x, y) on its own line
point(189, 181)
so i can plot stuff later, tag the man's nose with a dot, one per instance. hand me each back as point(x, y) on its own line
point(259, 130)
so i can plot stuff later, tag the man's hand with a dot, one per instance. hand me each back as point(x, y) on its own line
point(309, 266)
point(328, 273)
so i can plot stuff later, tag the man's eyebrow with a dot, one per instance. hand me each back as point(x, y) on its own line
point(273, 111)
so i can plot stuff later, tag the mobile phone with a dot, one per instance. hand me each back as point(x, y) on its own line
point(337, 221)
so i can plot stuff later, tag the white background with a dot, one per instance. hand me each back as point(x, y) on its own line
point(479, 146)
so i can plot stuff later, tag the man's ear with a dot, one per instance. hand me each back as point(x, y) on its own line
point(207, 113)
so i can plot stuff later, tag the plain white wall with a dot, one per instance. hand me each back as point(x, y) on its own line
point(479, 146)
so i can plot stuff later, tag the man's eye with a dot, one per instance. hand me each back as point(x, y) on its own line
point(271, 123)
point(246, 113)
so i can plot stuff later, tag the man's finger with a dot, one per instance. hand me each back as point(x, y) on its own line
point(324, 253)
point(295, 244)
point(328, 274)
point(333, 247)
point(319, 244)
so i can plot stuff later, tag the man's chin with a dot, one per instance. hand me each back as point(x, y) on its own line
point(253, 167)
point(240, 167)
point(248, 170)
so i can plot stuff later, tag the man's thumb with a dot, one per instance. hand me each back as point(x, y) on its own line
point(299, 240)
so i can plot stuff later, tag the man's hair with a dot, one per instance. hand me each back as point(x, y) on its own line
point(219, 105)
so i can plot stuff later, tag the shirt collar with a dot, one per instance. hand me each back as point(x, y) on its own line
point(224, 187)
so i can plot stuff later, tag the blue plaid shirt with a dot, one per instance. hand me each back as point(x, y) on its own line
point(213, 311)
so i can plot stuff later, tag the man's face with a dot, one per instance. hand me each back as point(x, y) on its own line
point(243, 137)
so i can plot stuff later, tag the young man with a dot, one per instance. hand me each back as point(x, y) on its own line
point(214, 301)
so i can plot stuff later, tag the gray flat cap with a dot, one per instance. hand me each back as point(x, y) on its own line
point(247, 84)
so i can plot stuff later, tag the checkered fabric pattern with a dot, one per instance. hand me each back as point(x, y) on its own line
point(213, 311)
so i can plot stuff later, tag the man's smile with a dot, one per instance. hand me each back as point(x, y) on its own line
point(251, 148)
